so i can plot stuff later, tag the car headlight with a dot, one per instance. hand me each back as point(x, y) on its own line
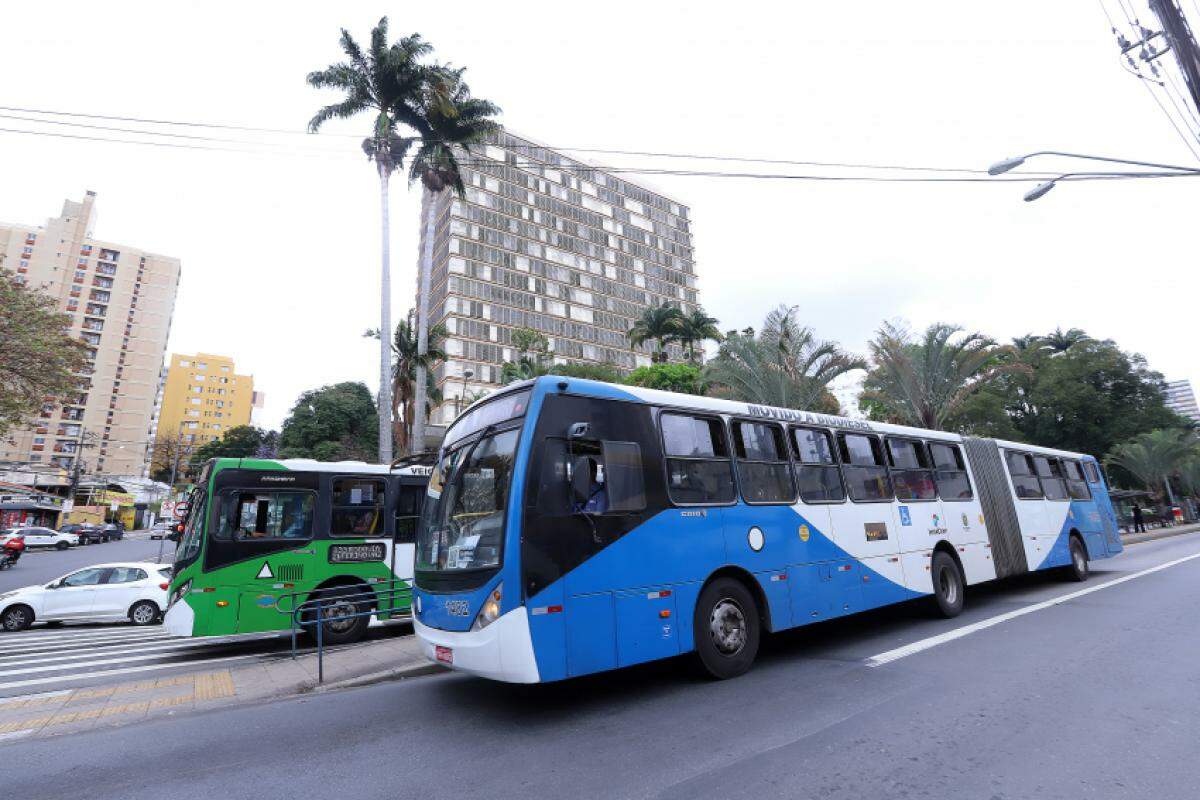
point(490, 611)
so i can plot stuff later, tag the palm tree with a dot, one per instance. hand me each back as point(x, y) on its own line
point(698, 328)
point(660, 324)
point(785, 365)
point(404, 346)
point(456, 121)
point(391, 81)
point(1061, 341)
point(1153, 457)
point(925, 383)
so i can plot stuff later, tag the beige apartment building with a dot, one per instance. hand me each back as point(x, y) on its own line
point(544, 241)
point(120, 301)
point(203, 397)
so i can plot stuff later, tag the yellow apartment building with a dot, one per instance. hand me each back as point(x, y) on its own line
point(203, 397)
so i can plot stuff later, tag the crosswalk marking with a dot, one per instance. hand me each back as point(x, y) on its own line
point(108, 651)
point(78, 676)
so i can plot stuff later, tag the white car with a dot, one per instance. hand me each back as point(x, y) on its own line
point(47, 537)
point(136, 591)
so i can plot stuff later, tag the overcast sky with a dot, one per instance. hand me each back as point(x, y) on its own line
point(280, 250)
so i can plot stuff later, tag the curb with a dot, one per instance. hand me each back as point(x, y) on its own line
point(1165, 535)
point(394, 674)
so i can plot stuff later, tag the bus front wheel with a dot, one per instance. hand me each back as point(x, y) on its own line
point(726, 629)
point(340, 623)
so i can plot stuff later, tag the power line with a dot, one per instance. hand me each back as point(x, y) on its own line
point(604, 151)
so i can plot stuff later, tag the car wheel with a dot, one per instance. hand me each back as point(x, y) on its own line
point(143, 612)
point(1079, 569)
point(947, 585)
point(62, 546)
point(726, 629)
point(16, 618)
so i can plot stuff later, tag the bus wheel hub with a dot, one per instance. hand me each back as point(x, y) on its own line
point(728, 626)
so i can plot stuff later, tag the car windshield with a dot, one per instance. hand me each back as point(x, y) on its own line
point(462, 523)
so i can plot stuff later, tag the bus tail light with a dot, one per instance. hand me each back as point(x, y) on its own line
point(490, 611)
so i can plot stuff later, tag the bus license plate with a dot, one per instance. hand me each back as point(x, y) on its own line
point(444, 654)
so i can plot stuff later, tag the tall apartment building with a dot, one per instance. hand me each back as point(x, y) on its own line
point(545, 241)
point(120, 300)
point(1182, 400)
point(203, 397)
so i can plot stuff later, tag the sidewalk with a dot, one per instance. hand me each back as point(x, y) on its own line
point(1159, 533)
point(77, 710)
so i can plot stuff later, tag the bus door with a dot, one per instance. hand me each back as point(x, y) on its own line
point(1104, 507)
point(409, 499)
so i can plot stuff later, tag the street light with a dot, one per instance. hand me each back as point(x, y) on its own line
point(1001, 167)
point(1039, 190)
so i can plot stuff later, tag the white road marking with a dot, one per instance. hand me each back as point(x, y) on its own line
point(39, 695)
point(125, 671)
point(18, 639)
point(87, 655)
point(966, 630)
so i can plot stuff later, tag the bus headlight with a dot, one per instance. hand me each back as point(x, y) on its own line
point(180, 592)
point(490, 611)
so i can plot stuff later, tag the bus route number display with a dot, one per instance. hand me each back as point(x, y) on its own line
point(355, 553)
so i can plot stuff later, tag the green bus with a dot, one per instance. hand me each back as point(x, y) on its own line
point(261, 537)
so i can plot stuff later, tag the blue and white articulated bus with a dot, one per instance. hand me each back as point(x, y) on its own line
point(573, 526)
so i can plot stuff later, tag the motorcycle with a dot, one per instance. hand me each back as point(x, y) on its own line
point(10, 553)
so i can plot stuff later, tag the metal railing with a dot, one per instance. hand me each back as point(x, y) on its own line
point(369, 603)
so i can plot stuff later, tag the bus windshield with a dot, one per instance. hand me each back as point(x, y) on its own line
point(189, 545)
point(462, 524)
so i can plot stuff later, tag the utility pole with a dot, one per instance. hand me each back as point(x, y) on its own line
point(76, 467)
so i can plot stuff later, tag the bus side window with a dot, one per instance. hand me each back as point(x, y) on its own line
point(357, 507)
point(950, 472)
point(816, 467)
point(1025, 482)
point(1049, 472)
point(762, 463)
point(1077, 487)
point(259, 515)
point(699, 469)
point(1093, 472)
point(863, 465)
point(911, 476)
point(408, 511)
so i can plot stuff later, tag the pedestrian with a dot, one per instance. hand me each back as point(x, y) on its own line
point(1139, 526)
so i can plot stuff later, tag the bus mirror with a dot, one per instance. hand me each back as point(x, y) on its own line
point(581, 480)
point(578, 430)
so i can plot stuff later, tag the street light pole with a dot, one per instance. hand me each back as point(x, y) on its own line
point(1000, 167)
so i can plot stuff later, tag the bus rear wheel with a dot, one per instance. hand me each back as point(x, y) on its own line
point(339, 625)
point(726, 629)
point(947, 585)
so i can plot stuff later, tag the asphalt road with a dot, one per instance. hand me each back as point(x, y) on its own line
point(1094, 697)
point(42, 565)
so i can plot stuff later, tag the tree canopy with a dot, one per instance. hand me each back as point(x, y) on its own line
point(244, 441)
point(332, 423)
point(38, 357)
point(684, 378)
point(784, 365)
point(1087, 397)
